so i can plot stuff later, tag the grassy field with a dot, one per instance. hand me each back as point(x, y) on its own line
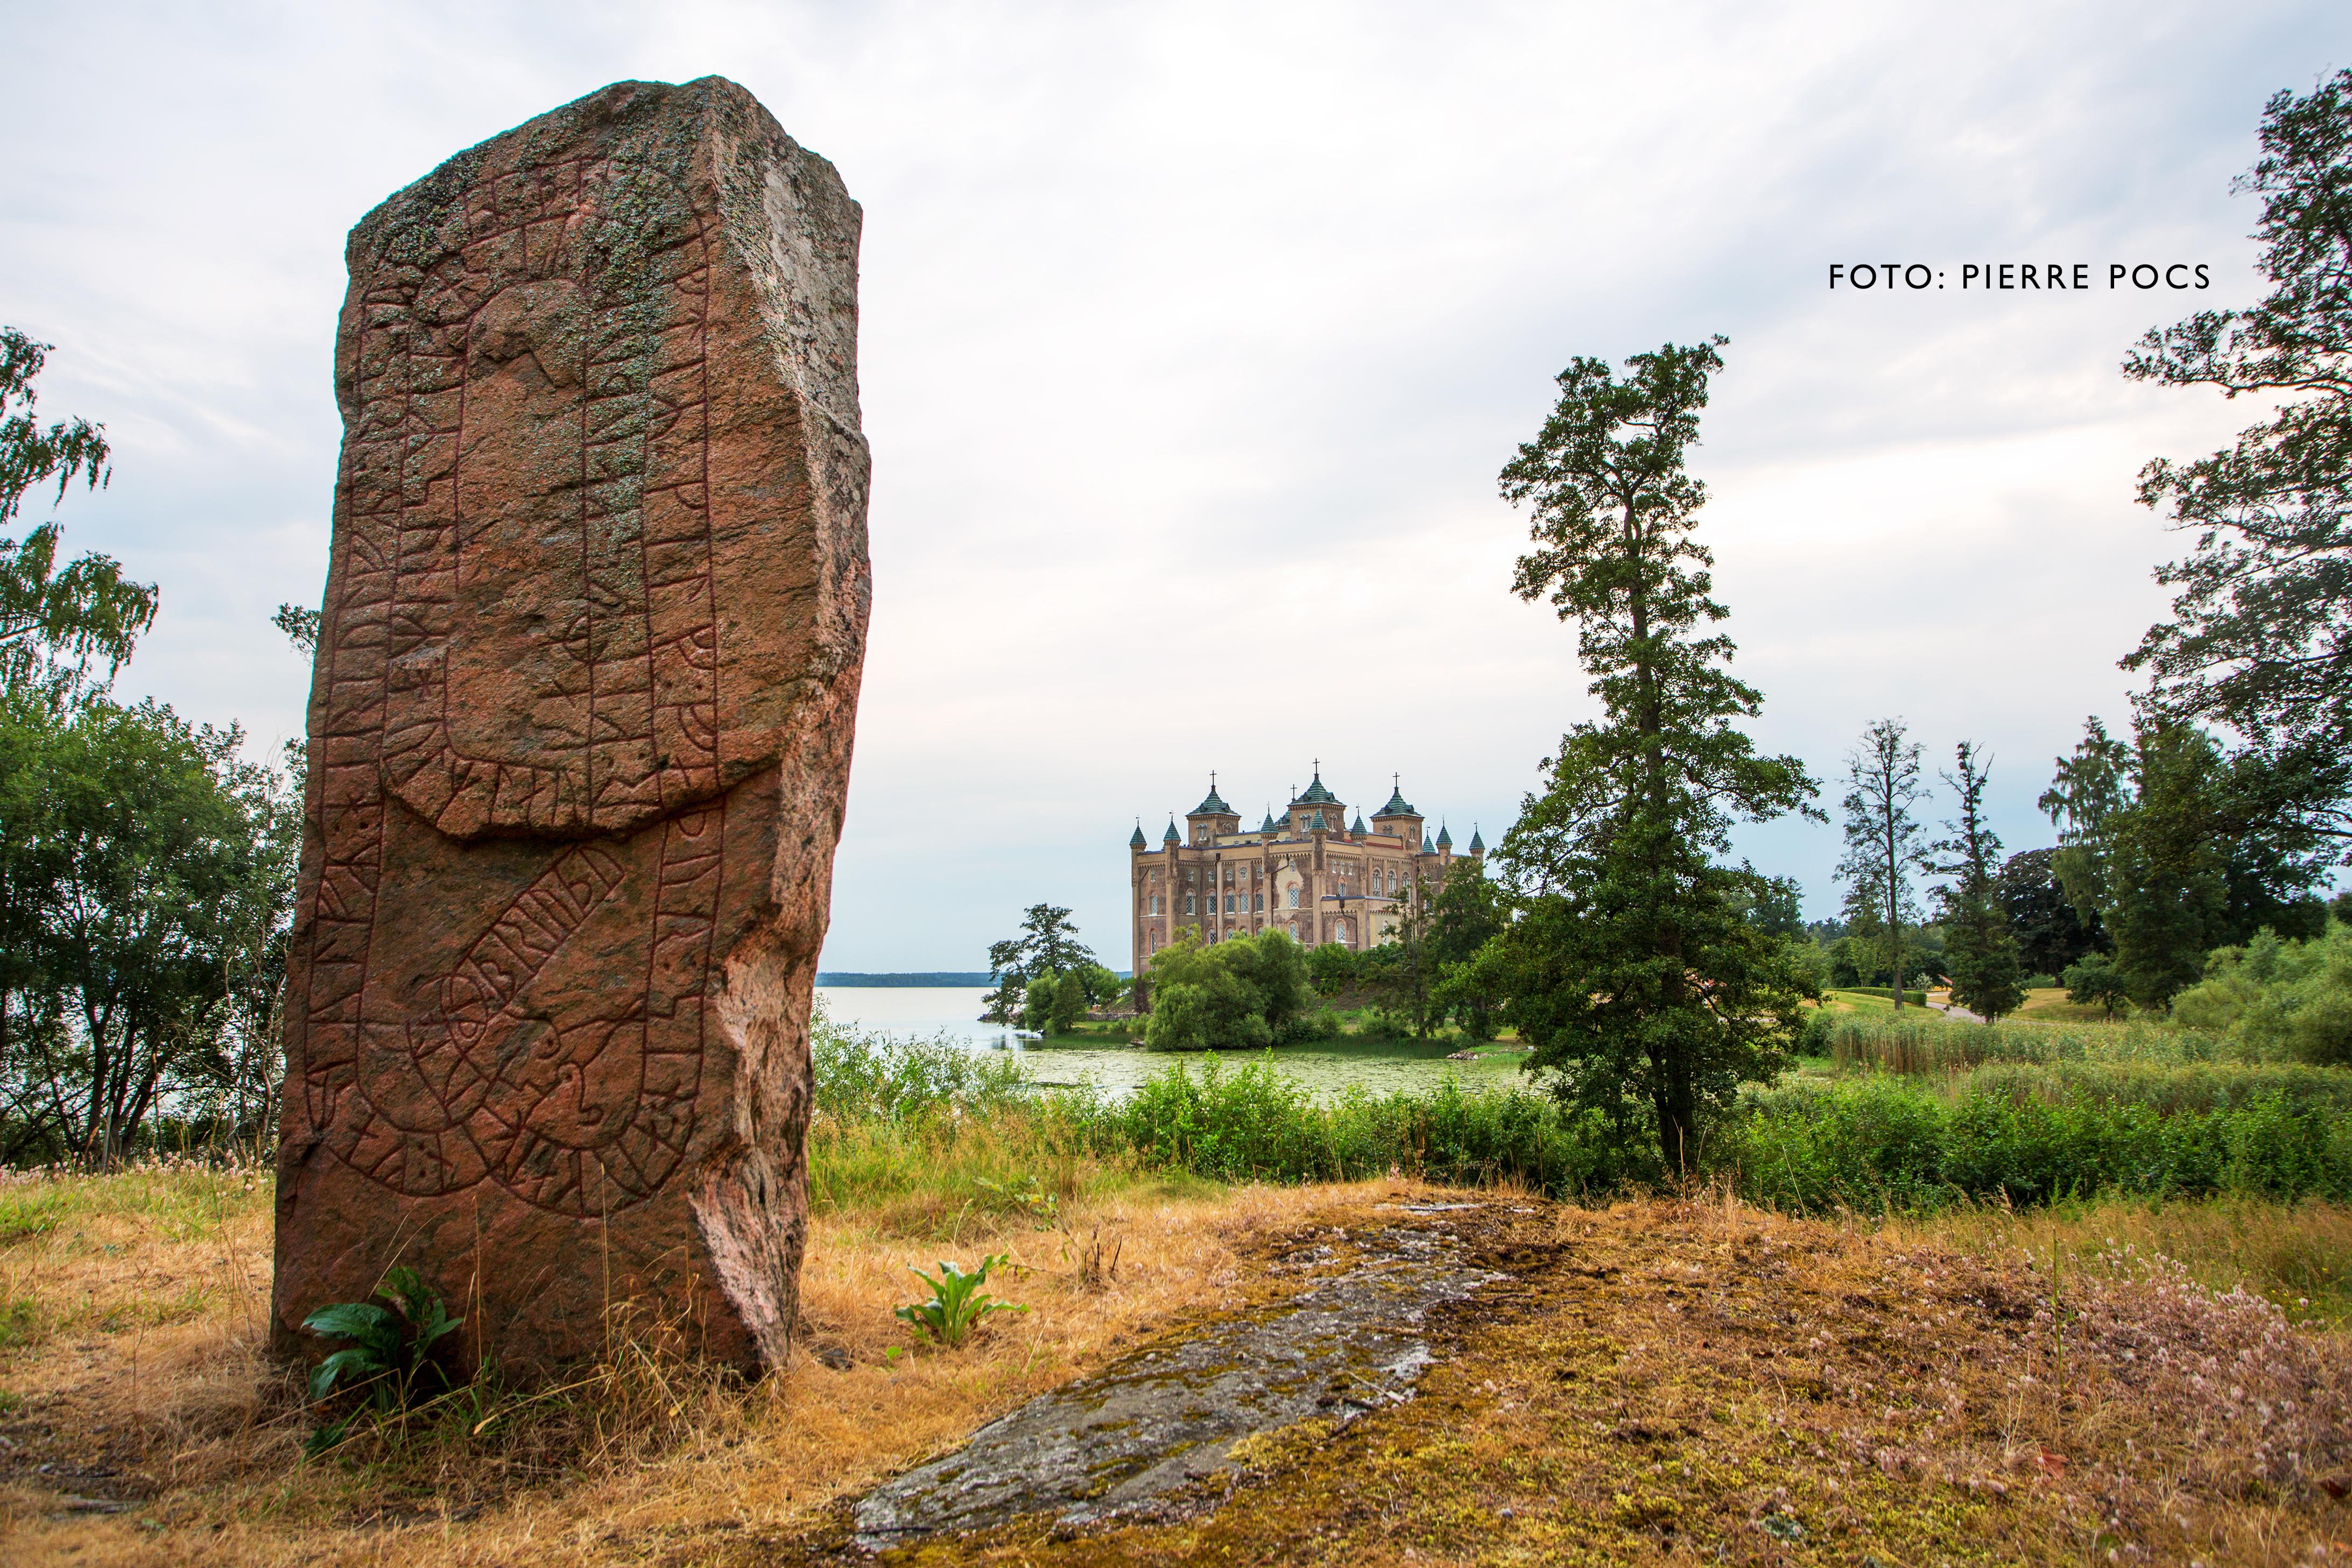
point(2049, 1005)
point(1694, 1378)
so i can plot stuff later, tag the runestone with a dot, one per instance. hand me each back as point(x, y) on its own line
point(579, 735)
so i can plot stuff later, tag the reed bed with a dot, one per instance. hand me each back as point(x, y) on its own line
point(1926, 1046)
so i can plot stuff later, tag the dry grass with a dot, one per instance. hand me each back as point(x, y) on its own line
point(1703, 1383)
point(188, 1422)
point(2299, 1256)
point(1666, 1382)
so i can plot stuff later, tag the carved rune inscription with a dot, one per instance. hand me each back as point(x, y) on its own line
point(525, 647)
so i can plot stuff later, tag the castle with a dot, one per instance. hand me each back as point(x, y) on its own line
point(1309, 872)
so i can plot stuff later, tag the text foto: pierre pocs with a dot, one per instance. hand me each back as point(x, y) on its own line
point(2069, 277)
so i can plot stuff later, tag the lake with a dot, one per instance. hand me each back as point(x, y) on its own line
point(1321, 1066)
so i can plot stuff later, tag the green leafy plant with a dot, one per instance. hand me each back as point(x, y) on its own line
point(958, 1303)
point(1026, 1196)
point(390, 1353)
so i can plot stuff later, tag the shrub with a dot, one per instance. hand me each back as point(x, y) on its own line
point(1332, 966)
point(1234, 995)
point(2279, 999)
point(1881, 1145)
point(1813, 1040)
point(863, 1076)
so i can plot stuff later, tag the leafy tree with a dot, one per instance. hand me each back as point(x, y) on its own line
point(2171, 844)
point(1882, 839)
point(33, 1024)
point(1101, 987)
point(1003, 1004)
point(2095, 982)
point(301, 626)
point(1047, 945)
point(237, 1072)
point(2085, 791)
point(2261, 638)
point(2168, 890)
point(1401, 973)
point(1629, 968)
point(140, 865)
point(1053, 1002)
point(1778, 908)
point(1331, 966)
point(54, 622)
point(1240, 995)
point(2050, 934)
point(1468, 913)
point(1977, 946)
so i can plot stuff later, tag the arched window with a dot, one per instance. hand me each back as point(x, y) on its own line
point(1188, 904)
point(1293, 891)
point(1340, 931)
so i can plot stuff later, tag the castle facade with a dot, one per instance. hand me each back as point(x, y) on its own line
point(1309, 871)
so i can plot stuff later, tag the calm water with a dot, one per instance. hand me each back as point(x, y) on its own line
point(955, 1011)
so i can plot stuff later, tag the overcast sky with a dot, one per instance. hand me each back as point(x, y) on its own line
point(1194, 338)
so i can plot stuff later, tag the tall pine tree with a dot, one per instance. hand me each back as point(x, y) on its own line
point(1630, 969)
point(1979, 952)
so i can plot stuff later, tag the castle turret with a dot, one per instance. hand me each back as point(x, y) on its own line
point(1136, 841)
point(1212, 817)
point(1477, 844)
point(1171, 836)
point(1317, 810)
point(1397, 820)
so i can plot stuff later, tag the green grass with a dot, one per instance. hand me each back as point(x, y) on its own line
point(20, 1322)
point(1247, 1122)
point(1903, 1119)
point(1862, 995)
point(1885, 1144)
point(182, 1200)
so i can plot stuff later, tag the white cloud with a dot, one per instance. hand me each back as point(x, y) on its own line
point(1192, 340)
